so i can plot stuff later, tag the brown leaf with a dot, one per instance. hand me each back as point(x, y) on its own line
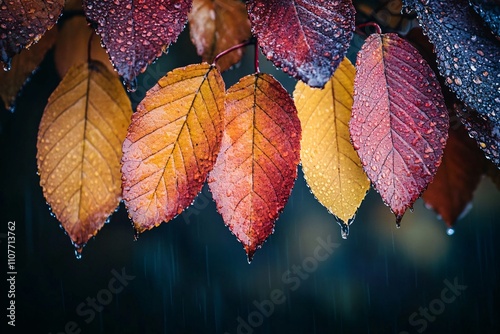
point(79, 149)
point(72, 46)
point(22, 67)
point(451, 191)
point(216, 25)
point(23, 22)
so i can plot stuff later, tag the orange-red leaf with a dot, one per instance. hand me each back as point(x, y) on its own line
point(79, 149)
point(257, 166)
point(23, 65)
point(450, 193)
point(399, 122)
point(172, 144)
point(23, 23)
point(216, 25)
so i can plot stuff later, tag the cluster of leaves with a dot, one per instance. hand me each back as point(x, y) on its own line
point(384, 122)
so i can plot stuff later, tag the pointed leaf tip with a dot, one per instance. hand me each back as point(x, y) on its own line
point(308, 40)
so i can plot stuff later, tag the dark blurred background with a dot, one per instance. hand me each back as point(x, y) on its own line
point(191, 275)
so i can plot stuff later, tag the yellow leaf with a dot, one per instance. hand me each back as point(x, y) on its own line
point(172, 144)
point(79, 149)
point(331, 166)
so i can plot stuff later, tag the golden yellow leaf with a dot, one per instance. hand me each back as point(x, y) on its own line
point(217, 25)
point(331, 166)
point(79, 149)
point(73, 43)
point(172, 144)
point(23, 65)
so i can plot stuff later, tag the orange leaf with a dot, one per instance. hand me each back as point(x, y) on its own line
point(255, 171)
point(172, 144)
point(217, 25)
point(79, 149)
point(451, 191)
point(22, 66)
point(73, 43)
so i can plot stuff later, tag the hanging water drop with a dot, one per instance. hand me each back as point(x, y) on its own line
point(7, 65)
point(131, 85)
point(450, 231)
point(78, 252)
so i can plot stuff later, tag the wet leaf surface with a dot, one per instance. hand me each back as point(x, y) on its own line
point(136, 32)
point(257, 165)
point(468, 57)
point(79, 149)
point(22, 67)
point(23, 23)
point(484, 131)
point(399, 122)
point(306, 39)
point(450, 193)
point(331, 166)
point(217, 25)
point(172, 144)
point(489, 10)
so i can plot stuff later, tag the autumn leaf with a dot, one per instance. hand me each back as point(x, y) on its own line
point(484, 131)
point(172, 143)
point(22, 67)
point(467, 57)
point(331, 166)
point(79, 149)
point(257, 164)
point(73, 43)
point(136, 32)
point(450, 193)
point(399, 123)
point(308, 40)
point(217, 25)
point(23, 23)
point(489, 10)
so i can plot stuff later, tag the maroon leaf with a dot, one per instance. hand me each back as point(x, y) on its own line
point(307, 39)
point(23, 23)
point(136, 32)
point(467, 55)
point(451, 191)
point(399, 123)
point(484, 131)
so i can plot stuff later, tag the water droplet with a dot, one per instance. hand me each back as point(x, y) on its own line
point(131, 85)
point(78, 252)
point(450, 231)
point(136, 234)
point(7, 65)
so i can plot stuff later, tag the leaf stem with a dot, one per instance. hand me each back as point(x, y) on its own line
point(370, 24)
point(256, 57)
point(89, 46)
point(232, 48)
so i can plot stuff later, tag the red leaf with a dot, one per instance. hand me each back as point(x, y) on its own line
point(136, 32)
point(257, 165)
point(23, 23)
point(399, 123)
point(450, 193)
point(307, 39)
